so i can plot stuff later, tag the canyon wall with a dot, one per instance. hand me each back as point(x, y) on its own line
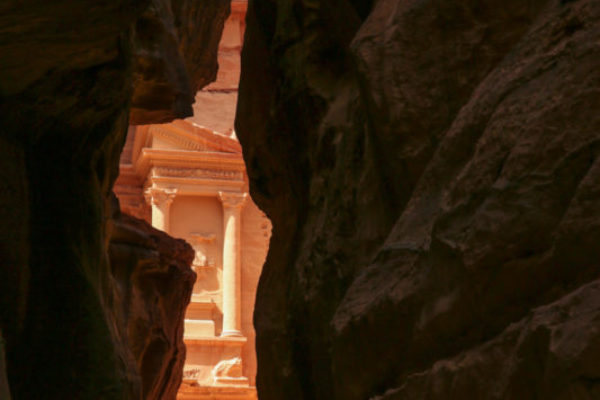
point(153, 287)
point(69, 73)
point(431, 171)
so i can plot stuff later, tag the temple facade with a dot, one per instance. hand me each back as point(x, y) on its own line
point(188, 179)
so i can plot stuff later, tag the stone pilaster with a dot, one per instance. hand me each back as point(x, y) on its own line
point(160, 200)
point(232, 215)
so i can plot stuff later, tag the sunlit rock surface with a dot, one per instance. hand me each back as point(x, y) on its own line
point(431, 171)
point(68, 72)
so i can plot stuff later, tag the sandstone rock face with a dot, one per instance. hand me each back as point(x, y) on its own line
point(154, 286)
point(431, 171)
point(175, 50)
point(4, 387)
point(66, 84)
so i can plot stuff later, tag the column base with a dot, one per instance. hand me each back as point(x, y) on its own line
point(231, 332)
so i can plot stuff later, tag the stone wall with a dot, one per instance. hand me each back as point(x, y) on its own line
point(431, 171)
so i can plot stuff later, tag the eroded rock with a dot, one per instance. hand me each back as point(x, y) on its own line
point(555, 346)
point(431, 172)
point(175, 49)
point(154, 284)
point(66, 85)
point(4, 387)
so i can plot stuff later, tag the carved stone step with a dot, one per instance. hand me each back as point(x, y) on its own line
point(194, 328)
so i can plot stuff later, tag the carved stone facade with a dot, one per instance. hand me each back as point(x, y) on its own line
point(188, 178)
point(202, 196)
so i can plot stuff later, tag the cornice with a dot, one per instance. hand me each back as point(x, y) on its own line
point(187, 159)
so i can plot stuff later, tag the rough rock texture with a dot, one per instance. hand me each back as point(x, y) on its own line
point(176, 43)
point(550, 354)
point(66, 83)
point(4, 387)
point(431, 171)
point(154, 286)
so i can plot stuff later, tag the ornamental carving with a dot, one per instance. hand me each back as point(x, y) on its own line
point(192, 373)
point(200, 243)
point(232, 200)
point(231, 368)
point(160, 197)
point(199, 173)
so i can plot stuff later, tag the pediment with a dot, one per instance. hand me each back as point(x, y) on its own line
point(183, 135)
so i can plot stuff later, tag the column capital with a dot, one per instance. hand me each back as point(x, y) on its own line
point(233, 200)
point(159, 197)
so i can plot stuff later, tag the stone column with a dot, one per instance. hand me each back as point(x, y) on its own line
point(160, 200)
point(232, 214)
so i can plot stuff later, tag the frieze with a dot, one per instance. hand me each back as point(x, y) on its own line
point(199, 173)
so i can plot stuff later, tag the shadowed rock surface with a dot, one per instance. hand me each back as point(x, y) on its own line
point(4, 387)
point(175, 48)
point(68, 72)
point(431, 171)
point(154, 284)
